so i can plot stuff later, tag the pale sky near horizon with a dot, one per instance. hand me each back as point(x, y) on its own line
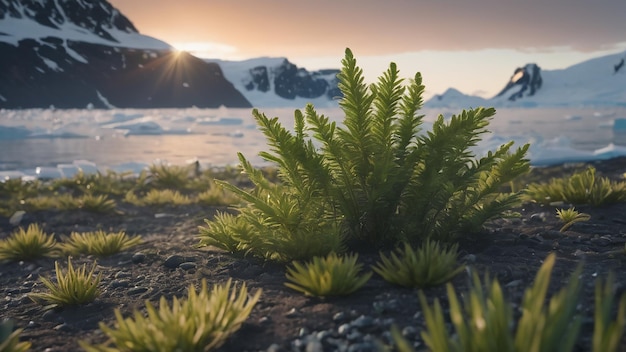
point(471, 45)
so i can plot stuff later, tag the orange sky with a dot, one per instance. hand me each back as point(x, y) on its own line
point(315, 33)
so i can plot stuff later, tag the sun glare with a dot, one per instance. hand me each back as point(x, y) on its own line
point(207, 49)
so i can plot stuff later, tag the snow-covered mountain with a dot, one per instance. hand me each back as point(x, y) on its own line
point(276, 82)
point(597, 82)
point(78, 53)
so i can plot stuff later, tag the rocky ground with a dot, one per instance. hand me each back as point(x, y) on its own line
point(284, 320)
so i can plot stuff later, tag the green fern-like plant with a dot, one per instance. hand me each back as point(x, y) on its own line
point(72, 288)
point(169, 176)
point(327, 276)
point(375, 179)
point(429, 265)
point(10, 339)
point(202, 322)
point(29, 244)
point(581, 188)
point(99, 243)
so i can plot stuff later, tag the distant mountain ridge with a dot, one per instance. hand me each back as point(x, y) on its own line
point(595, 82)
point(78, 54)
point(276, 82)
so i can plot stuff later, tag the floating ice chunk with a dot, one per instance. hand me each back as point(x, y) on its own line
point(11, 133)
point(86, 166)
point(68, 170)
point(619, 124)
point(610, 151)
point(220, 121)
point(10, 175)
point(43, 172)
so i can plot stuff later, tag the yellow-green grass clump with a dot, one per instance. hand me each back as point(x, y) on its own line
point(570, 216)
point(202, 322)
point(99, 243)
point(10, 340)
point(482, 320)
point(429, 265)
point(72, 288)
point(332, 275)
point(29, 244)
point(580, 188)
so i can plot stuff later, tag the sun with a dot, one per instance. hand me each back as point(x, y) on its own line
point(206, 50)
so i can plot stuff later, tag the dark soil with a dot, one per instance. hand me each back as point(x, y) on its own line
point(510, 250)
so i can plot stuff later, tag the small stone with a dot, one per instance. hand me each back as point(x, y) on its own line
point(410, 332)
point(122, 274)
point(119, 283)
point(63, 327)
point(538, 217)
point(274, 348)
point(17, 217)
point(138, 258)
point(173, 261)
point(265, 320)
point(341, 316)
point(303, 332)
point(514, 283)
point(363, 322)
point(137, 290)
point(292, 313)
point(354, 336)
point(50, 315)
point(314, 345)
point(187, 266)
point(343, 329)
point(363, 347)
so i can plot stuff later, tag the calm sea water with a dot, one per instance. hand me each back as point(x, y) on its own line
point(550, 130)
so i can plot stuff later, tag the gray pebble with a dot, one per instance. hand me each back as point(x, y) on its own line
point(173, 261)
point(122, 274)
point(291, 313)
point(137, 290)
point(119, 283)
point(187, 266)
point(138, 258)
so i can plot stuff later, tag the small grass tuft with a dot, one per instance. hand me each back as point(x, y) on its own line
point(99, 243)
point(28, 244)
point(607, 333)
point(327, 276)
point(10, 340)
point(580, 188)
point(429, 265)
point(73, 288)
point(570, 216)
point(201, 323)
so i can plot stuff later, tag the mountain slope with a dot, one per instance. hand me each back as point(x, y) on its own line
point(77, 54)
point(595, 82)
point(276, 82)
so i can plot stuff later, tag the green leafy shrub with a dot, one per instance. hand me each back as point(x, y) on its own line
point(10, 340)
point(201, 323)
point(28, 244)
point(98, 243)
point(570, 216)
point(75, 287)
point(376, 179)
point(429, 265)
point(580, 188)
point(483, 321)
point(329, 276)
